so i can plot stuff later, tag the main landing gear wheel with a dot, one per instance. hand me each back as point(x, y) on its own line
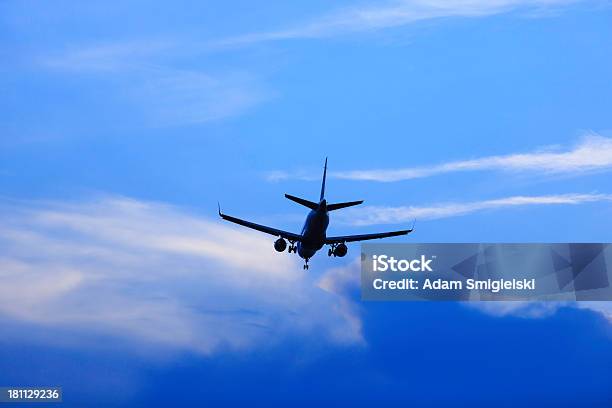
point(332, 250)
point(337, 250)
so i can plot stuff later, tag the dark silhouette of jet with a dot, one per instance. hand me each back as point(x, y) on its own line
point(313, 235)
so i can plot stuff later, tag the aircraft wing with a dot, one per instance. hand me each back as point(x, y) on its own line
point(268, 230)
point(364, 237)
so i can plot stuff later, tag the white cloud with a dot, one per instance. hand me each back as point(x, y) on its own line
point(343, 281)
point(158, 276)
point(592, 153)
point(373, 215)
point(604, 308)
point(392, 14)
point(281, 175)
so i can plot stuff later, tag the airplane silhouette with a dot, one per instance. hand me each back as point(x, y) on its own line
point(313, 235)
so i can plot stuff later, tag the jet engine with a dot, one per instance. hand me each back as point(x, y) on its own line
point(280, 245)
point(340, 250)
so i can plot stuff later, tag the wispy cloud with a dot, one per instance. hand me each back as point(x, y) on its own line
point(392, 14)
point(154, 72)
point(172, 96)
point(592, 153)
point(392, 215)
point(282, 175)
point(106, 58)
point(151, 77)
point(157, 276)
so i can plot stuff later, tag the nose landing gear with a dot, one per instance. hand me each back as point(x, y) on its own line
point(306, 264)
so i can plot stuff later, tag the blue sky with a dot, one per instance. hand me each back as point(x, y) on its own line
point(122, 125)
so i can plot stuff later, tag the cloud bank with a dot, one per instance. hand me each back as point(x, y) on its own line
point(157, 276)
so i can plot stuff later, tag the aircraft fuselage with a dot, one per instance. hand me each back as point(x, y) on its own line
point(314, 230)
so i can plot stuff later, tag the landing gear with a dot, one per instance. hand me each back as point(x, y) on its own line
point(292, 247)
point(306, 264)
point(338, 250)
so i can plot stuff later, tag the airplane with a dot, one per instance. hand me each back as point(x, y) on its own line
point(313, 236)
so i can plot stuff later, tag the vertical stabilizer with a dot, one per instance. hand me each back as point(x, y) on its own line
point(323, 184)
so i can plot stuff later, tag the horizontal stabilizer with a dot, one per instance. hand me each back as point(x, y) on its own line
point(305, 203)
point(336, 206)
